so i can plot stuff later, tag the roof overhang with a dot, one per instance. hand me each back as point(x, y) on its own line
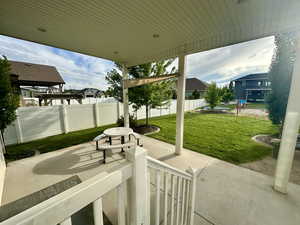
point(139, 31)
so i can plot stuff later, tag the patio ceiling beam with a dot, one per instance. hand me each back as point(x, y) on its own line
point(148, 80)
point(290, 129)
point(180, 103)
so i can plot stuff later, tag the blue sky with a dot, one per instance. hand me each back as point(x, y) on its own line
point(80, 71)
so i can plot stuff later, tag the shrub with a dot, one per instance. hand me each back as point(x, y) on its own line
point(132, 121)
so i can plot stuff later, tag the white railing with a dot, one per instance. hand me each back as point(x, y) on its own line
point(177, 190)
point(60, 208)
point(133, 209)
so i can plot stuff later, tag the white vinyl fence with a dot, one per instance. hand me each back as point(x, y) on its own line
point(38, 122)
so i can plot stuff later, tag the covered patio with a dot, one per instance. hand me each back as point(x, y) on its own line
point(222, 188)
point(137, 32)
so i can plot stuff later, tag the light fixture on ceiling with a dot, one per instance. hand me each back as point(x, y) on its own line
point(41, 29)
point(155, 35)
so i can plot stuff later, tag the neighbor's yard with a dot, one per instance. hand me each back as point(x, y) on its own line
point(226, 137)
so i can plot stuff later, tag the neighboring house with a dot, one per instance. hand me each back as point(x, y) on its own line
point(252, 87)
point(31, 79)
point(193, 84)
point(91, 93)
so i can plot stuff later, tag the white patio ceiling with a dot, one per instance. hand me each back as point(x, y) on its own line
point(123, 30)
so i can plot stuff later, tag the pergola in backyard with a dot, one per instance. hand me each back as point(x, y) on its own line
point(138, 31)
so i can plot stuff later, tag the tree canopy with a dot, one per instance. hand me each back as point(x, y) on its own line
point(151, 95)
point(280, 74)
point(212, 96)
point(9, 98)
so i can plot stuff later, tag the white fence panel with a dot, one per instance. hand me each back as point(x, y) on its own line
point(108, 113)
point(39, 122)
point(80, 117)
point(10, 135)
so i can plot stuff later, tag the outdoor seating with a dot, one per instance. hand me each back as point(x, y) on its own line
point(107, 136)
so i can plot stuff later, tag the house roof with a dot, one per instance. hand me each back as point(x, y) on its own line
point(139, 31)
point(256, 76)
point(192, 84)
point(35, 74)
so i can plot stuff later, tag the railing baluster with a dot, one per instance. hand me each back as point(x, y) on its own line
point(172, 199)
point(157, 209)
point(121, 204)
point(183, 201)
point(178, 200)
point(98, 212)
point(166, 199)
point(148, 197)
point(67, 221)
point(187, 202)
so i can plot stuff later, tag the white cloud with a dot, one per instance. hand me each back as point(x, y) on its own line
point(223, 64)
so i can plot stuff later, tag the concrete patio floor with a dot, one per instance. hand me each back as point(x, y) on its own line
point(226, 194)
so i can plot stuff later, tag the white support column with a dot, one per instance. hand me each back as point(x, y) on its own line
point(180, 104)
point(290, 129)
point(137, 186)
point(125, 98)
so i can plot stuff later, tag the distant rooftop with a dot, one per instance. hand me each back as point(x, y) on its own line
point(255, 76)
point(30, 74)
point(195, 84)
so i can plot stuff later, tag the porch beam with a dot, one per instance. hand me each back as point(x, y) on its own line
point(141, 81)
point(125, 97)
point(290, 129)
point(180, 103)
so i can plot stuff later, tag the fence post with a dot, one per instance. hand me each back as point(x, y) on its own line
point(137, 186)
point(118, 110)
point(18, 128)
point(64, 119)
point(96, 114)
point(194, 173)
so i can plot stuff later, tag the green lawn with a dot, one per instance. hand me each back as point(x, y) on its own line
point(219, 135)
point(52, 143)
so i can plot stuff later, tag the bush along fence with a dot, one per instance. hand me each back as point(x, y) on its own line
point(38, 122)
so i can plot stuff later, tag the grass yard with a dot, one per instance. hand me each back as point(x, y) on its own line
point(52, 143)
point(223, 136)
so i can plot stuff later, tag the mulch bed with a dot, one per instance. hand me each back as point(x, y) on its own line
point(143, 129)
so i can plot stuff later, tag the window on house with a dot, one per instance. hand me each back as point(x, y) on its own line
point(243, 83)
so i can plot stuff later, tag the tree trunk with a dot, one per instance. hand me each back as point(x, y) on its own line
point(147, 115)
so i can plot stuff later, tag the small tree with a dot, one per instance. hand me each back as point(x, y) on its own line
point(212, 96)
point(226, 94)
point(9, 99)
point(280, 76)
point(150, 95)
point(196, 94)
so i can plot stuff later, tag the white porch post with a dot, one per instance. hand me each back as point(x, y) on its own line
point(290, 129)
point(137, 187)
point(180, 104)
point(125, 98)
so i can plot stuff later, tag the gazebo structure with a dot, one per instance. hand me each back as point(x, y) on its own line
point(140, 31)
